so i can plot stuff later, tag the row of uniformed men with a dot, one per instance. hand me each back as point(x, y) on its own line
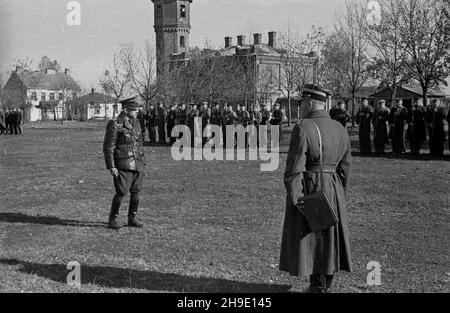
point(164, 120)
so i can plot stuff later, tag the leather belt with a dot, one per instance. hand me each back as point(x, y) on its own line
point(326, 168)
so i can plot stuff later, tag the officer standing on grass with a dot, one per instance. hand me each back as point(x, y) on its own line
point(318, 255)
point(124, 157)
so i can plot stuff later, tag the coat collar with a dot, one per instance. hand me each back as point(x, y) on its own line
point(124, 120)
point(318, 114)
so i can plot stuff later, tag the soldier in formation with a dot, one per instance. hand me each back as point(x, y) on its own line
point(160, 122)
point(380, 124)
point(340, 114)
point(277, 119)
point(229, 118)
point(437, 136)
point(151, 123)
point(364, 120)
point(397, 121)
point(416, 133)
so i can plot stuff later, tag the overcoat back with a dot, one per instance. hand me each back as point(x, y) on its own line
point(302, 251)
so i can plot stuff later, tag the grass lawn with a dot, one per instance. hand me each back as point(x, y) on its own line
point(209, 226)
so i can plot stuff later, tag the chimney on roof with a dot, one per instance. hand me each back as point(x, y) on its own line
point(92, 90)
point(228, 41)
point(66, 71)
point(241, 40)
point(257, 38)
point(273, 39)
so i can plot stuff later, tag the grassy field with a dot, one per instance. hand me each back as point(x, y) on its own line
point(209, 226)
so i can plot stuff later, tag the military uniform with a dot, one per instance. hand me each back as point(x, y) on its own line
point(437, 139)
point(380, 124)
point(228, 118)
point(123, 150)
point(160, 120)
point(142, 122)
point(303, 252)
point(171, 122)
point(398, 118)
point(205, 115)
point(265, 116)
point(151, 125)
point(277, 119)
point(341, 116)
point(416, 133)
point(364, 119)
point(216, 117)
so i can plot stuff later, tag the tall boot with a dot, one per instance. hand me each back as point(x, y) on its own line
point(316, 284)
point(114, 212)
point(133, 210)
point(328, 283)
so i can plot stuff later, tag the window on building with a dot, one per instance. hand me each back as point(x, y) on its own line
point(52, 96)
point(42, 96)
point(182, 41)
point(183, 11)
point(61, 96)
point(97, 108)
point(34, 96)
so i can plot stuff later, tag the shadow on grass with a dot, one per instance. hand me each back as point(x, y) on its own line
point(113, 277)
point(46, 220)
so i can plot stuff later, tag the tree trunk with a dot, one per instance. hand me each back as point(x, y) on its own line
point(425, 95)
point(289, 109)
point(353, 108)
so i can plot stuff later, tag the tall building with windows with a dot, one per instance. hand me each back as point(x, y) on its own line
point(172, 28)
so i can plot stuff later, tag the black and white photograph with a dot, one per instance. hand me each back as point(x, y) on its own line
point(225, 152)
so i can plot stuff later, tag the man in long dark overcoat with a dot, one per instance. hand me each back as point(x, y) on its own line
point(380, 125)
point(364, 120)
point(123, 150)
point(318, 255)
point(398, 119)
point(417, 133)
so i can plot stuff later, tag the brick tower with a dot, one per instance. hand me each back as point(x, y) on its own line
point(172, 28)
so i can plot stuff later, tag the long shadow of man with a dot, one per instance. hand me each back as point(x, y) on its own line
point(113, 277)
point(46, 220)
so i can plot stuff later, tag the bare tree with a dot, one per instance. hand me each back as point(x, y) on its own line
point(346, 51)
point(390, 60)
point(426, 32)
point(141, 66)
point(289, 44)
point(116, 81)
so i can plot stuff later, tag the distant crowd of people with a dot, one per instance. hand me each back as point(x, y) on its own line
point(161, 120)
point(397, 123)
point(11, 121)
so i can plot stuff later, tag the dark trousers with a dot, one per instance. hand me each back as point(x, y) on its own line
point(151, 133)
point(127, 182)
point(17, 129)
point(161, 132)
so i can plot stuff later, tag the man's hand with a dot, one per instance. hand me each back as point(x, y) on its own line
point(114, 172)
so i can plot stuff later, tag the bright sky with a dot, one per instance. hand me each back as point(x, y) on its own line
point(36, 28)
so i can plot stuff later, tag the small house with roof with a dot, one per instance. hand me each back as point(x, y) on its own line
point(407, 93)
point(95, 106)
point(41, 94)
